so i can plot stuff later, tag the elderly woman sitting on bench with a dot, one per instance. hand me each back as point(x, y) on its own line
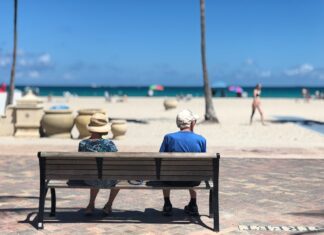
point(98, 127)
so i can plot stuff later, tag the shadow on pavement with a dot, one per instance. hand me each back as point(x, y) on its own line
point(8, 197)
point(138, 121)
point(149, 216)
point(314, 213)
point(317, 213)
point(313, 125)
point(12, 197)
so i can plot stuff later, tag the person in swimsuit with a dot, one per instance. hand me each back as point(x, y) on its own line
point(256, 104)
point(99, 127)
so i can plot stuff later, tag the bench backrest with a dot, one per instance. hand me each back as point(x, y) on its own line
point(128, 166)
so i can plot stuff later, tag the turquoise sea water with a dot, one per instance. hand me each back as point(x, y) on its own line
point(271, 92)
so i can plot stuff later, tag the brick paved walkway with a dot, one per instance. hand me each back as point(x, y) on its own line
point(252, 192)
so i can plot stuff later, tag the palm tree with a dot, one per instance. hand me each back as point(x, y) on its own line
point(13, 67)
point(209, 108)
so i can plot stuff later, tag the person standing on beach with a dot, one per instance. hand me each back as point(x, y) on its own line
point(184, 140)
point(98, 127)
point(256, 104)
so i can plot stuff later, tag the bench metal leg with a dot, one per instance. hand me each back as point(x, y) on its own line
point(53, 202)
point(215, 210)
point(40, 216)
point(215, 193)
point(211, 213)
point(42, 193)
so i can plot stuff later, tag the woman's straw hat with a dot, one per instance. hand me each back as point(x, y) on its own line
point(98, 123)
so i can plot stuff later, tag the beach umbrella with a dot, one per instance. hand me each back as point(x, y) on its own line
point(236, 89)
point(219, 84)
point(3, 87)
point(156, 87)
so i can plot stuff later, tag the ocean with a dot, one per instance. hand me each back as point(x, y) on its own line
point(267, 92)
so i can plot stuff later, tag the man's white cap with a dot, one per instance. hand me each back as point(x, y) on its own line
point(185, 117)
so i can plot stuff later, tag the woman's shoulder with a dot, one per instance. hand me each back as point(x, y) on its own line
point(107, 141)
point(109, 144)
point(83, 142)
point(97, 145)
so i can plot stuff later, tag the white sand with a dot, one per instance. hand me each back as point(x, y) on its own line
point(233, 137)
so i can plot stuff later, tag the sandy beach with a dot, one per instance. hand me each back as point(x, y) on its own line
point(233, 137)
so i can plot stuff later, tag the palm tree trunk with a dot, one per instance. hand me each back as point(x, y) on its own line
point(13, 67)
point(209, 108)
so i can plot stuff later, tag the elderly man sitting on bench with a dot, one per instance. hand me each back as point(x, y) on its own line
point(184, 140)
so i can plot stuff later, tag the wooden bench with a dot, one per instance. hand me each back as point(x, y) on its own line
point(56, 168)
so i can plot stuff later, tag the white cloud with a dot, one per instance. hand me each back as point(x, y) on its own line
point(67, 76)
point(33, 74)
point(300, 70)
point(249, 61)
point(321, 76)
point(19, 74)
point(24, 62)
point(318, 73)
point(20, 52)
point(29, 61)
point(4, 61)
point(265, 74)
point(44, 59)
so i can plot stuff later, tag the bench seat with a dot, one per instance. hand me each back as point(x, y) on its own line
point(124, 185)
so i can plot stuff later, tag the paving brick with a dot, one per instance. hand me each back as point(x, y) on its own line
point(252, 192)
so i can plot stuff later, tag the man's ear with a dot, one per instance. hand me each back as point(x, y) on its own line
point(192, 125)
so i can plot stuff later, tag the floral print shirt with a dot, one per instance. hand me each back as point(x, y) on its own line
point(98, 145)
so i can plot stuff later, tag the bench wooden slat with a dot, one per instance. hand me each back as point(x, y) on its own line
point(184, 178)
point(105, 167)
point(186, 173)
point(138, 162)
point(163, 168)
point(71, 167)
point(120, 185)
point(71, 177)
point(93, 162)
point(67, 164)
point(70, 161)
point(185, 163)
point(104, 172)
point(186, 168)
point(128, 168)
point(129, 177)
point(72, 172)
point(126, 155)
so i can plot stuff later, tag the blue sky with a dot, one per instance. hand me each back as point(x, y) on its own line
point(142, 42)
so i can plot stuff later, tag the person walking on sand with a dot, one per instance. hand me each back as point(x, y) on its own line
point(256, 104)
point(99, 127)
point(184, 140)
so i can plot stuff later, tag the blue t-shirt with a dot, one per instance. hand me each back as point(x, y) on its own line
point(183, 141)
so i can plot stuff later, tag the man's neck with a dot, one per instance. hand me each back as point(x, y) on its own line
point(186, 129)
